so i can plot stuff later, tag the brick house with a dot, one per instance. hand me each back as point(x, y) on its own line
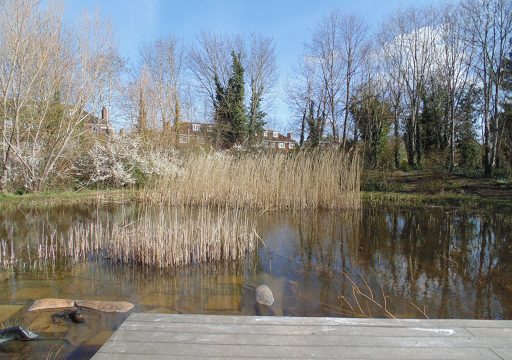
point(98, 126)
point(204, 133)
point(195, 133)
point(272, 139)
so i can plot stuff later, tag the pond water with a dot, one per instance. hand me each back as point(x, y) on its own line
point(379, 262)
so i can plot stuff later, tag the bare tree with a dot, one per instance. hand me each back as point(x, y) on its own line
point(453, 68)
point(209, 60)
point(354, 33)
point(325, 47)
point(308, 101)
point(338, 45)
point(409, 52)
point(154, 95)
point(49, 78)
point(488, 29)
point(393, 60)
point(262, 73)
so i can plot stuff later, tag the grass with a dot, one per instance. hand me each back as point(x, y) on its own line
point(434, 188)
point(428, 200)
point(64, 197)
point(321, 179)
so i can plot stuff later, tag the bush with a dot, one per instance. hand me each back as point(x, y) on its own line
point(119, 161)
point(404, 166)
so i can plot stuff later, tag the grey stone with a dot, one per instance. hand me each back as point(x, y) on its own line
point(264, 295)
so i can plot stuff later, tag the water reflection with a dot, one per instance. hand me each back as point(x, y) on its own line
point(453, 263)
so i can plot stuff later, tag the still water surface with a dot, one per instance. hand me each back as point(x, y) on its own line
point(402, 262)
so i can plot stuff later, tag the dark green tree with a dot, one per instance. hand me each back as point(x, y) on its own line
point(221, 111)
point(230, 112)
point(466, 138)
point(315, 123)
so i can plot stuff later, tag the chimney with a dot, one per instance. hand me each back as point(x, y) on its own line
point(104, 114)
point(289, 136)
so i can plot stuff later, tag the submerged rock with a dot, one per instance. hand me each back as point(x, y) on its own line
point(106, 306)
point(264, 295)
point(16, 333)
point(76, 316)
point(44, 304)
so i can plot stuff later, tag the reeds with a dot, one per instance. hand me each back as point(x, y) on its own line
point(189, 235)
point(363, 299)
point(316, 179)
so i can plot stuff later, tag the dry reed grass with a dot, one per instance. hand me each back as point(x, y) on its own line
point(315, 179)
point(362, 300)
point(189, 235)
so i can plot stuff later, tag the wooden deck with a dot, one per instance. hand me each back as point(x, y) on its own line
point(150, 336)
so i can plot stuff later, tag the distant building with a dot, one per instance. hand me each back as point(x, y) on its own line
point(97, 125)
point(275, 140)
point(195, 133)
point(204, 133)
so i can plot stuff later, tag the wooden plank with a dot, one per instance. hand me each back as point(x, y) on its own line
point(294, 330)
point(504, 353)
point(316, 352)
point(145, 336)
point(223, 319)
point(310, 340)
point(108, 356)
point(492, 332)
point(111, 356)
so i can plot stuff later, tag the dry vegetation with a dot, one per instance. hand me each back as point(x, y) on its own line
point(365, 303)
point(184, 236)
point(317, 179)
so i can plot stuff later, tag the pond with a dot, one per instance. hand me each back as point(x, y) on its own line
point(376, 262)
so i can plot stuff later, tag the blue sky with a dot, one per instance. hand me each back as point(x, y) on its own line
point(289, 22)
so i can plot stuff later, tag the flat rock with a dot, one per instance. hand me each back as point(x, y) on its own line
point(106, 306)
point(8, 311)
point(264, 295)
point(43, 304)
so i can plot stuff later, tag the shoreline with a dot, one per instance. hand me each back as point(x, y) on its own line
point(369, 198)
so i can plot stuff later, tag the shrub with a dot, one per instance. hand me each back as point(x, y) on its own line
point(119, 161)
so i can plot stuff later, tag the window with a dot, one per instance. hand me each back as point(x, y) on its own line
point(276, 134)
point(291, 145)
point(265, 133)
point(183, 139)
point(280, 145)
point(196, 127)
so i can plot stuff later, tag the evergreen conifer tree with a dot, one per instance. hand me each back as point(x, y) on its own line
point(230, 112)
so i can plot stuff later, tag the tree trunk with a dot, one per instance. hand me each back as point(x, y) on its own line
point(303, 126)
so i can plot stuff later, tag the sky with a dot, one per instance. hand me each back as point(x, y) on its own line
point(288, 22)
